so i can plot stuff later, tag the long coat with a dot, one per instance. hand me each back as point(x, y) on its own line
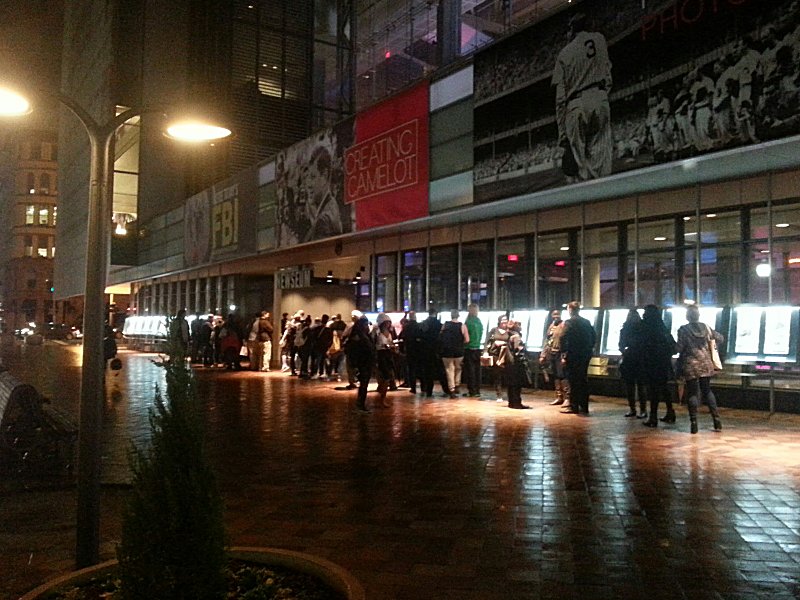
point(654, 347)
point(695, 358)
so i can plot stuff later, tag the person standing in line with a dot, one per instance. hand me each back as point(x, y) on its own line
point(352, 380)
point(282, 343)
point(582, 81)
point(410, 337)
point(265, 330)
point(577, 347)
point(253, 344)
point(655, 347)
point(205, 347)
point(495, 346)
point(384, 351)
point(629, 364)
point(453, 338)
point(696, 366)
point(515, 364)
point(431, 364)
point(321, 340)
point(472, 352)
point(179, 332)
point(360, 352)
point(552, 358)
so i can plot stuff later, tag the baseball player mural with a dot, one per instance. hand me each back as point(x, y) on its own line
point(582, 81)
point(689, 77)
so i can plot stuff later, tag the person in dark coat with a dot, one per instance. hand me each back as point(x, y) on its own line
point(655, 347)
point(410, 340)
point(430, 362)
point(360, 352)
point(577, 347)
point(514, 366)
point(629, 365)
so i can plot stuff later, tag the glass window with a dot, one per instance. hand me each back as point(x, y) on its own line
point(514, 273)
point(31, 183)
point(28, 242)
point(657, 278)
point(44, 183)
point(413, 274)
point(601, 240)
point(386, 282)
point(783, 269)
point(555, 267)
point(653, 235)
point(785, 220)
point(41, 250)
point(30, 214)
point(477, 272)
point(362, 296)
point(601, 281)
point(443, 277)
point(44, 214)
point(717, 227)
point(720, 275)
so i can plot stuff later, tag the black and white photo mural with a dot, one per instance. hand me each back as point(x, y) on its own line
point(609, 87)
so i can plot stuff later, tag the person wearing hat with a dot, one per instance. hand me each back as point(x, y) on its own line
point(384, 349)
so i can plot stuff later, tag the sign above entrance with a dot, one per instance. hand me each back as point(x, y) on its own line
point(290, 279)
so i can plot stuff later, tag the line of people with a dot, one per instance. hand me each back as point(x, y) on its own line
point(647, 348)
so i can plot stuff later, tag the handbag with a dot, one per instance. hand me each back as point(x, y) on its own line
point(487, 360)
point(712, 350)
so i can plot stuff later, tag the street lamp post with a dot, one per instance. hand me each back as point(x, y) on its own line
point(92, 395)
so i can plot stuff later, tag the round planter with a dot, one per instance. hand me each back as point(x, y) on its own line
point(328, 572)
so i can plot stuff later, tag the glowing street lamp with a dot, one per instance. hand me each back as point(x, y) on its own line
point(101, 138)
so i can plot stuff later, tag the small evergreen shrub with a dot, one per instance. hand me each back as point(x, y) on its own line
point(173, 541)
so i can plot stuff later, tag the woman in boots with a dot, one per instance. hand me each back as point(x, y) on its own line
point(655, 347)
point(629, 365)
point(551, 359)
point(696, 367)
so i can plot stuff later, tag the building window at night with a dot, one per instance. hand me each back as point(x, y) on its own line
point(444, 277)
point(28, 243)
point(31, 183)
point(30, 214)
point(386, 282)
point(477, 273)
point(42, 249)
point(44, 214)
point(514, 271)
point(413, 278)
point(44, 183)
point(555, 268)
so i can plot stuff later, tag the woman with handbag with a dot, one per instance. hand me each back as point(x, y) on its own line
point(495, 344)
point(696, 365)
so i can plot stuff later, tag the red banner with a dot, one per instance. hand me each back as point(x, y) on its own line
point(386, 169)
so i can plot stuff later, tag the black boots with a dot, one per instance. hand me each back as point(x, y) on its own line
point(693, 423)
point(669, 417)
point(717, 423)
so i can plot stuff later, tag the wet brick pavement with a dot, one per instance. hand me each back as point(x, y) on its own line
point(449, 499)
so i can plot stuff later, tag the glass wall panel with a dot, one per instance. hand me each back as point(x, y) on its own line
point(785, 220)
point(555, 268)
point(514, 269)
point(413, 274)
point(716, 228)
point(720, 274)
point(386, 282)
point(603, 240)
point(477, 272)
point(657, 278)
point(786, 271)
point(602, 282)
point(653, 235)
point(443, 278)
